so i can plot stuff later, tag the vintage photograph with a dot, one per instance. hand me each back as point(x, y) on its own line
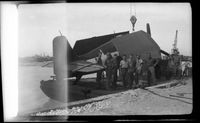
point(78, 59)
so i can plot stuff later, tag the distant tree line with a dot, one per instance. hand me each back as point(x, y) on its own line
point(36, 58)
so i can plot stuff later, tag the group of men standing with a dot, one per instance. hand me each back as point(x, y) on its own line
point(177, 66)
point(129, 67)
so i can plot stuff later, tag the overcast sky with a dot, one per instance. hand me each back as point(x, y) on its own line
point(40, 23)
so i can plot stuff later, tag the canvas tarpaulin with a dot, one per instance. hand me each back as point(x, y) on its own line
point(137, 43)
point(84, 46)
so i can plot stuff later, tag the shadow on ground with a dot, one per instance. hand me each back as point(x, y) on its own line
point(88, 88)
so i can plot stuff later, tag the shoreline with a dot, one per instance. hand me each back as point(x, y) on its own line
point(165, 92)
point(41, 64)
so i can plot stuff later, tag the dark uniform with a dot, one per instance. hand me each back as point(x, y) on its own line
point(131, 71)
point(119, 58)
point(115, 69)
point(109, 71)
point(144, 73)
point(177, 62)
point(99, 73)
point(170, 67)
point(151, 70)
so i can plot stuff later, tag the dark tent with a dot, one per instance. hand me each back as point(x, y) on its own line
point(137, 43)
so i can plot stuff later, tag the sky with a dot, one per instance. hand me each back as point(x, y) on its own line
point(39, 24)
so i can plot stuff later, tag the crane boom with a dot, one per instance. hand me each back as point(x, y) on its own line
point(175, 49)
point(175, 41)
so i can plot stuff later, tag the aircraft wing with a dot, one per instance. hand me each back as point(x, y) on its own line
point(84, 67)
point(80, 66)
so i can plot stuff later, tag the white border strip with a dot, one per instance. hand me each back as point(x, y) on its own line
point(9, 55)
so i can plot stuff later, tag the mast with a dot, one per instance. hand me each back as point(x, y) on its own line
point(175, 49)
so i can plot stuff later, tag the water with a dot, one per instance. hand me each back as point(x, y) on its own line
point(31, 98)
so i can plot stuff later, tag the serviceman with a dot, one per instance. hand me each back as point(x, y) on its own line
point(115, 70)
point(124, 69)
point(139, 62)
point(99, 73)
point(131, 70)
point(151, 68)
point(109, 70)
point(186, 71)
point(171, 66)
point(177, 62)
point(119, 58)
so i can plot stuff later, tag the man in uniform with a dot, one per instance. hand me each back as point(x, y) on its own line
point(124, 69)
point(99, 73)
point(115, 70)
point(131, 70)
point(177, 62)
point(109, 70)
point(151, 68)
point(139, 62)
point(171, 66)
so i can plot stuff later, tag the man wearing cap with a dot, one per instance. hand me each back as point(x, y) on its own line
point(124, 69)
point(139, 62)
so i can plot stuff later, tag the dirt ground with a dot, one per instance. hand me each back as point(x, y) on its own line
point(150, 101)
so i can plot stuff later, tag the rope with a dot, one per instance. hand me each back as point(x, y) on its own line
point(131, 9)
point(166, 96)
point(135, 9)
